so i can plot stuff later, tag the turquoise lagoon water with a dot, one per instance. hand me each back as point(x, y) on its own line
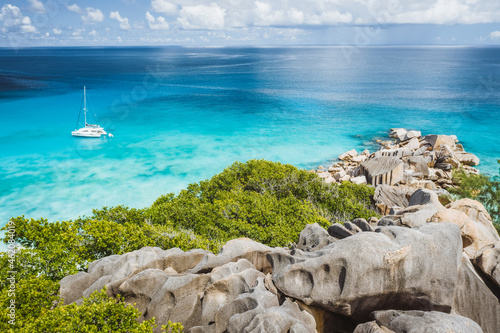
point(180, 115)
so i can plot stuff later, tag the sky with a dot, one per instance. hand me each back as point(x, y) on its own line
point(25, 23)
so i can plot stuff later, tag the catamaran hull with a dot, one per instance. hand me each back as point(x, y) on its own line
point(87, 135)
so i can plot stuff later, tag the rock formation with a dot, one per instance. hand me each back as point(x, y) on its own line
point(357, 277)
point(410, 160)
point(421, 267)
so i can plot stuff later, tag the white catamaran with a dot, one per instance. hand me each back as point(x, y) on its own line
point(90, 130)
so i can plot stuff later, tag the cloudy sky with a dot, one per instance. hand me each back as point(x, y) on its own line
point(248, 22)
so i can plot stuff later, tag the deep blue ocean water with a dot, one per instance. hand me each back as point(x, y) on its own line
point(180, 115)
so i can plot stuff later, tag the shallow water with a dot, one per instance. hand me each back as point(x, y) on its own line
point(180, 115)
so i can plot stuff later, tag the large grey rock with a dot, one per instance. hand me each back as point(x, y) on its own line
point(425, 321)
point(391, 197)
point(105, 270)
point(467, 158)
point(475, 300)
point(412, 134)
point(398, 133)
point(424, 197)
point(362, 224)
point(415, 215)
point(313, 238)
point(337, 230)
point(383, 170)
point(188, 287)
point(347, 156)
point(475, 236)
point(476, 212)
point(412, 144)
point(278, 319)
point(436, 141)
point(422, 205)
point(371, 327)
point(392, 270)
point(419, 164)
point(488, 260)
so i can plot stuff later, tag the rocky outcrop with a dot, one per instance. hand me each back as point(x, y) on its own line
point(392, 271)
point(383, 170)
point(418, 322)
point(423, 267)
point(475, 300)
point(391, 198)
point(410, 160)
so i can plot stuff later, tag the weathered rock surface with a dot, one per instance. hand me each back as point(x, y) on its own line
point(428, 162)
point(477, 213)
point(488, 260)
point(348, 155)
point(475, 235)
point(422, 205)
point(383, 170)
point(372, 327)
point(475, 300)
point(411, 273)
point(314, 238)
point(467, 158)
point(437, 141)
point(424, 321)
point(389, 198)
point(393, 270)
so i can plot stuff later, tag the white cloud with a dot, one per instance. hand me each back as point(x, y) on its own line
point(331, 17)
point(266, 15)
point(158, 23)
point(13, 20)
point(57, 31)
point(74, 8)
point(93, 15)
point(164, 6)
point(209, 17)
point(78, 32)
point(93, 33)
point(37, 6)
point(446, 12)
point(124, 25)
point(494, 35)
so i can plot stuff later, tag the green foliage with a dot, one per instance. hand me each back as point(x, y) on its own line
point(470, 185)
point(268, 202)
point(481, 188)
point(119, 214)
point(34, 296)
point(173, 327)
point(98, 313)
point(58, 249)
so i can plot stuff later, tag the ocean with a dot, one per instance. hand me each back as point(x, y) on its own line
point(180, 115)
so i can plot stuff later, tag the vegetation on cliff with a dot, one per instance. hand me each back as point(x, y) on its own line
point(483, 188)
point(268, 202)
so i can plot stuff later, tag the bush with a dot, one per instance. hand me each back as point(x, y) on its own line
point(482, 188)
point(268, 202)
point(98, 313)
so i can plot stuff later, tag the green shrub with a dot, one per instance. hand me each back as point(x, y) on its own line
point(266, 201)
point(98, 313)
point(482, 188)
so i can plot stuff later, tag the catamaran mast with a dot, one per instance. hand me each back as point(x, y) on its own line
point(85, 104)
